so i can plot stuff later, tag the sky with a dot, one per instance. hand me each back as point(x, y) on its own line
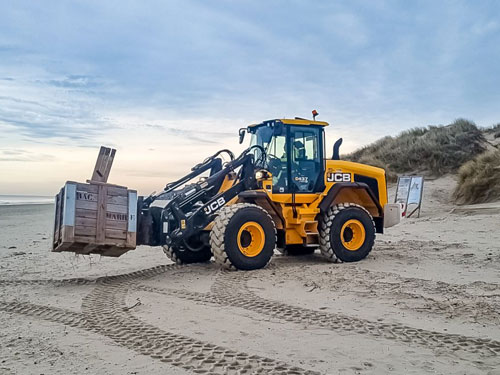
point(168, 83)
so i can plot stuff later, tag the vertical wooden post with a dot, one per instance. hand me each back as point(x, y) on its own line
point(102, 196)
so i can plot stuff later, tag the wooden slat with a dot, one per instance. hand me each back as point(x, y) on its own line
point(57, 220)
point(85, 231)
point(86, 205)
point(101, 214)
point(117, 208)
point(67, 234)
point(118, 199)
point(85, 222)
point(87, 187)
point(107, 242)
point(86, 196)
point(109, 164)
point(85, 239)
point(117, 234)
point(115, 216)
point(103, 164)
point(113, 190)
point(113, 224)
point(89, 214)
point(131, 239)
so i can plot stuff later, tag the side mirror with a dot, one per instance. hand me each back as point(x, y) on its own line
point(336, 146)
point(242, 134)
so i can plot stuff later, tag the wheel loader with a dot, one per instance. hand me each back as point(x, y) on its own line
point(281, 193)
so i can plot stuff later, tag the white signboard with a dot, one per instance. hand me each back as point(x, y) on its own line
point(409, 192)
point(402, 190)
point(415, 194)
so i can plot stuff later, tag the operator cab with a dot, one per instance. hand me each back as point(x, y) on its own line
point(294, 153)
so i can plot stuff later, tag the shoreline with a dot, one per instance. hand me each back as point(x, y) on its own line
point(26, 204)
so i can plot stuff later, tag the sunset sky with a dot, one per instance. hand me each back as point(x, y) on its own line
point(168, 83)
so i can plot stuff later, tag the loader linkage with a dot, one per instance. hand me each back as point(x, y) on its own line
point(183, 212)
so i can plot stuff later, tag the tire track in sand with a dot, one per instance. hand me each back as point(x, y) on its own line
point(230, 288)
point(104, 311)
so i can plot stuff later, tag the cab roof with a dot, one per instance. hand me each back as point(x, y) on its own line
point(295, 121)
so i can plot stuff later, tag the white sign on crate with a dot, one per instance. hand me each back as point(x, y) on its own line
point(409, 192)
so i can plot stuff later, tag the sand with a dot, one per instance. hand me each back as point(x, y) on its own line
point(426, 301)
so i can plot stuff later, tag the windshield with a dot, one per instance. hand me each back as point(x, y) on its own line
point(276, 154)
point(261, 136)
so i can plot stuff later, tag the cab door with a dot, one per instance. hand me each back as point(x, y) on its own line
point(306, 163)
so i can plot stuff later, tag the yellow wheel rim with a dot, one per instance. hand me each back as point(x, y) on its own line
point(353, 235)
point(251, 239)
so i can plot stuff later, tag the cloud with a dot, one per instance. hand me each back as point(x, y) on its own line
point(41, 110)
point(75, 81)
point(17, 155)
point(80, 74)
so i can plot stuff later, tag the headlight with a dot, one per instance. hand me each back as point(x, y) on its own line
point(260, 175)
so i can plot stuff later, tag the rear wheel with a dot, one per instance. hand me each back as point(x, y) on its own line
point(243, 237)
point(347, 233)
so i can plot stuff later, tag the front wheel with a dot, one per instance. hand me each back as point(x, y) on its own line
point(191, 252)
point(243, 237)
point(347, 233)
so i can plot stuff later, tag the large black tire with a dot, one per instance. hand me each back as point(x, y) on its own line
point(233, 246)
point(186, 256)
point(347, 233)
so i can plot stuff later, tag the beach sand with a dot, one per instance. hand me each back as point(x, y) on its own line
point(426, 301)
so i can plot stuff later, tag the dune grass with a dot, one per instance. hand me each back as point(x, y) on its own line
point(433, 150)
point(495, 130)
point(479, 179)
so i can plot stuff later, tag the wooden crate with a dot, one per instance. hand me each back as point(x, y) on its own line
point(95, 218)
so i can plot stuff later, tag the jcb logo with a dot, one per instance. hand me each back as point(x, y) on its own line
point(215, 205)
point(338, 177)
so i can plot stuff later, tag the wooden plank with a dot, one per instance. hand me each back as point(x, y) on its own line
point(57, 220)
point(97, 183)
point(89, 188)
point(101, 214)
point(85, 239)
point(131, 239)
point(107, 242)
point(118, 199)
point(114, 190)
point(88, 205)
point(109, 164)
point(85, 222)
point(83, 213)
point(68, 215)
point(116, 234)
point(115, 208)
point(67, 234)
point(113, 224)
point(85, 231)
point(86, 196)
point(97, 175)
point(103, 164)
point(116, 216)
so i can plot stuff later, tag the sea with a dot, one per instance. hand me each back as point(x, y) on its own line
point(16, 200)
